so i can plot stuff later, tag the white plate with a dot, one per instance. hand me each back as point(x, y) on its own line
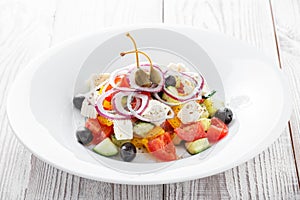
point(40, 101)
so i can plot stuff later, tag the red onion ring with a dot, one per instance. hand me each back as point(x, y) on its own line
point(175, 104)
point(138, 115)
point(117, 104)
point(105, 113)
point(196, 90)
point(113, 76)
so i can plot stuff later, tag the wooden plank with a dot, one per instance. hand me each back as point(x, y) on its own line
point(73, 18)
point(272, 174)
point(287, 23)
point(23, 34)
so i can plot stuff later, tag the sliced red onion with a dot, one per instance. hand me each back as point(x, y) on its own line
point(139, 116)
point(113, 76)
point(117, 104)
point(106, 113)
point(146, 67)
point(198, 79)
point(165, 102)
point(198, 86)
point(178, 103)
point(144, 102)
point(141, 105)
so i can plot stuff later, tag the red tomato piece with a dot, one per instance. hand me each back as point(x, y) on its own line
point(167, 127)
point(191, 132)
point(124, 82)
point(162, 147)
point(99, 131)
point(217, 130)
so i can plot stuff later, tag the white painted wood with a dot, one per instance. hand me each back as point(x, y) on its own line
point(272, 174)
point(45, 26)
point(30, 26)
point(24, 30)
point(287, 22)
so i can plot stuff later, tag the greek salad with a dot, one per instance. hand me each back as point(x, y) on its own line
point(150, 107)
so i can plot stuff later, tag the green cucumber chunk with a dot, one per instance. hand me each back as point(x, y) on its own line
point(117, 142)
point(197, 146)
point(106, 148)
point(142, 128)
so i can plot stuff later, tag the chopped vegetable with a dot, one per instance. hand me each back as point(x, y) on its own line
point(175, 122)
point(141, 129)
point(106, 148)
point(191, 132)
point(104, 121)
point(162, 148)
point(217, 130)
point(100, 132)
point(155, 132)
point(117, 142)
point(208, 103)
point(197, 146)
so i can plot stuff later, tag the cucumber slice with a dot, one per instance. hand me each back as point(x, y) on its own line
point(142, 128)
point(117, 142)
point(106, 148)
point(197, 146)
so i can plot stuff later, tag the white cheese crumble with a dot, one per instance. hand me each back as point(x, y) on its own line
point(178, 67)
point(88, 105)
point(123, 129)
point(156, 110)
point(190, 112)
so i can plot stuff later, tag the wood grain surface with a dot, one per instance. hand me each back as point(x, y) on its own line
point(287, 24)
point(29, 27)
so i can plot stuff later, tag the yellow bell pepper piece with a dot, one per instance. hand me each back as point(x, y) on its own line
point(174, 122)
point(104, 121)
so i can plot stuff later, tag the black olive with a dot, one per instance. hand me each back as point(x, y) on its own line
point(170, 81)
point(224, 114)
point(77, 101)
point(84, 135)
point(128, 151)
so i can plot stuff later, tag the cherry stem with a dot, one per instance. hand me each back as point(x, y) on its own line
point(136, 50)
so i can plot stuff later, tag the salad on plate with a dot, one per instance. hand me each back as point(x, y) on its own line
point(150, 108)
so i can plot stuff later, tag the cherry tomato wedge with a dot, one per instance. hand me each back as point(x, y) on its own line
point(217, 130)
point(162, 147)
point(99, 131)
point(191, 132)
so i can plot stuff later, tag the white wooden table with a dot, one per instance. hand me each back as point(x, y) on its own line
point(28, 27)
